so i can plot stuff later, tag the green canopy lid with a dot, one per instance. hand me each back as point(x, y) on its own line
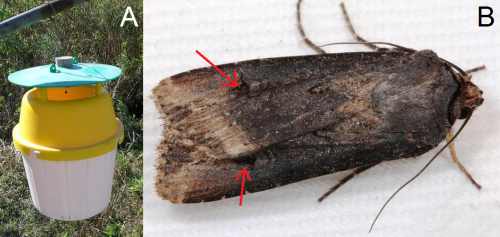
point(78, 75)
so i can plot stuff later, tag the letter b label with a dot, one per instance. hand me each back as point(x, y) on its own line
point(483, 15)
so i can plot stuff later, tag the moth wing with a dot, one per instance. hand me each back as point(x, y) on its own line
point(394, 109)
point(276, 100)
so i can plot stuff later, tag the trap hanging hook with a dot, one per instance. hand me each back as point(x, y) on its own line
point(55, 27)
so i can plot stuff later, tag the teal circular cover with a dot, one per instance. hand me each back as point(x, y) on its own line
point(79, 75)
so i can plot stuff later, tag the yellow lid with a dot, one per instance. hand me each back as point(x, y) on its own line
point(64, 124)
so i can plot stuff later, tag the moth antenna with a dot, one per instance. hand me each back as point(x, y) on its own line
point(303, 34)
point(475, 69)
point(391, 44)
point(464, 73)
point(422, 170)
point(456, 67)
point(457, 161)
point(353, 32)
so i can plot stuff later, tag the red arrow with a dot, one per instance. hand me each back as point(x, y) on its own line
point(243, 172)
point(233, 83)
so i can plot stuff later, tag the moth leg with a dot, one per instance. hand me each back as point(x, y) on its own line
point(355, 35)
point(475, 69)
point(344, 180)
point(455, 159)
point(304, 37)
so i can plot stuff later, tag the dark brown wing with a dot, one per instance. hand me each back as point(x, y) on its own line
point(298, 117)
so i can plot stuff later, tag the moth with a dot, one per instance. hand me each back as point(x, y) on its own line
point(295, 118)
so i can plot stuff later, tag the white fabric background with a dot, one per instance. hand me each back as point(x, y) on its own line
point(442, 202)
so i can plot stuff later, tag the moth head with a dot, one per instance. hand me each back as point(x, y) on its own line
point(471, 97)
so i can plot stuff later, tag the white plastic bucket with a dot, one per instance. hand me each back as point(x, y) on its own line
point(70, 190)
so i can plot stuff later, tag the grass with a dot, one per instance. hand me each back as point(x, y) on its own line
point(123, 217)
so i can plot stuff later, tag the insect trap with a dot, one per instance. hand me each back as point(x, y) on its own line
point(68, 134)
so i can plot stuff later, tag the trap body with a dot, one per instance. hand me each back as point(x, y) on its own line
point(68, 134)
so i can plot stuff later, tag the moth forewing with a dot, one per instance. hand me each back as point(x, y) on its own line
point(320, 114)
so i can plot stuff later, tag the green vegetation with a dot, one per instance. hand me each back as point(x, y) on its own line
point(92, 33)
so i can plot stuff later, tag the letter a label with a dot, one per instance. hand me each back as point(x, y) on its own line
point(127, 18)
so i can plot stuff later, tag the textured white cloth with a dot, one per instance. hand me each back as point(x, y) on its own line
point(442, 202)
